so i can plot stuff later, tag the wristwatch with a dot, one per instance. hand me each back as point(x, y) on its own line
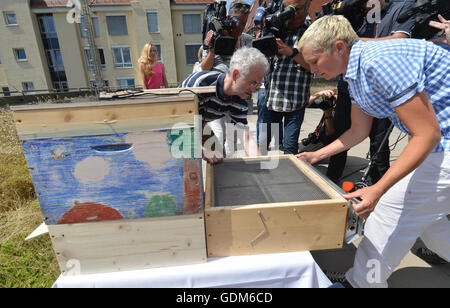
point(294, 52)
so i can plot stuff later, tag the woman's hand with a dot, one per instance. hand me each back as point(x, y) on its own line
point(369, 198)
point(309, 157)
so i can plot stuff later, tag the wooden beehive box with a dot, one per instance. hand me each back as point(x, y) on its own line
point(111, 189)
point(252, 210)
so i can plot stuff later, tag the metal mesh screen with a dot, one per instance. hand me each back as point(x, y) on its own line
point(244, 182)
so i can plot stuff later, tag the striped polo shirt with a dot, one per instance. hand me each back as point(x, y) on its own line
point(385, 74)
point(213, 106)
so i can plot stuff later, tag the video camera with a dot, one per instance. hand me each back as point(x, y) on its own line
point(273, 20)
point(215, 18)
point(353, 10)
point(424, 11)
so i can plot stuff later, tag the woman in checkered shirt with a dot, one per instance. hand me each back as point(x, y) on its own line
point(407, 81)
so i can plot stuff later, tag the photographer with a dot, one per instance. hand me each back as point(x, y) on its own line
point(387, 28)
point(288, 84)
point(212, 61)
point(247, 68)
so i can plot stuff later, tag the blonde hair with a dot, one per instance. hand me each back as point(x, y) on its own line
point(325, 31)
point(200, 53)
point(146, 60)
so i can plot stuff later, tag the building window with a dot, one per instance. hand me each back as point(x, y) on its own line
point(93, 83)
point(10, 19)
point(83, 26)
point(20, 54)
point(117, 25)
point(152, 21)
point(28, 87)
point(89, 61)
point(127, 82)
point(192, 23)
point(192, 53)
point(60, 86)
point(158, 47)
point(122, 57)
point(5, 91)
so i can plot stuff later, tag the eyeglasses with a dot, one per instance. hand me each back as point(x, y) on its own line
point(153, 50)
point(256, 85)
point(241, 7)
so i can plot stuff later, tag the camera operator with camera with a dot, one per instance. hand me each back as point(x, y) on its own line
point(387, 27)
point(288, 84)
point(237, 18)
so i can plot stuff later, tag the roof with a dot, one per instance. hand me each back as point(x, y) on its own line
point(63, 3)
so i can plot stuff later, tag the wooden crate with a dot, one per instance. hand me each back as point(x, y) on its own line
point(113, 185)
point(245, 216)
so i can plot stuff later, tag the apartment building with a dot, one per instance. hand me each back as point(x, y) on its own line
point(45, 44)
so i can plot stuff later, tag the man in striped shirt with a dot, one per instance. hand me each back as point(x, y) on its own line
point(246, 70)
point(407, 81)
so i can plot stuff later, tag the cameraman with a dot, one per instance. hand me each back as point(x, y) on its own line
point(211, 61)
point(288, 84)
point(386, 28)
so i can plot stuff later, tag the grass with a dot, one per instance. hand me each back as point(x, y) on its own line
point(22, 264)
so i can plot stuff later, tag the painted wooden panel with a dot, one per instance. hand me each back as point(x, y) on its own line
point(117, 176)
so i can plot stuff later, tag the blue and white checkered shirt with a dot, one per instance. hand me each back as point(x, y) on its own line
point(385, 74)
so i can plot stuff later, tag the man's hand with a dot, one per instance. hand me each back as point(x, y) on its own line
point(212, 157)
point(208, 38)
point(443, 25)
point(283, 49)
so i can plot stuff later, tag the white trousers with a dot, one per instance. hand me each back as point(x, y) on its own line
point(417, 206)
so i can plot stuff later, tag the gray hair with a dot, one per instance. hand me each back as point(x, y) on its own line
point(244, 58)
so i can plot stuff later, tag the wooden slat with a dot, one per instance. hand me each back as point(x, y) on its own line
point(100, 128)
point(130, 244)
point(310, 227)
point(101, 113)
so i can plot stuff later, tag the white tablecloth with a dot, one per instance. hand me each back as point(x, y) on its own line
point(281, 270)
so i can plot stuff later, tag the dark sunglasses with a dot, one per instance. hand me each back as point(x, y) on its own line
point(154, 50)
